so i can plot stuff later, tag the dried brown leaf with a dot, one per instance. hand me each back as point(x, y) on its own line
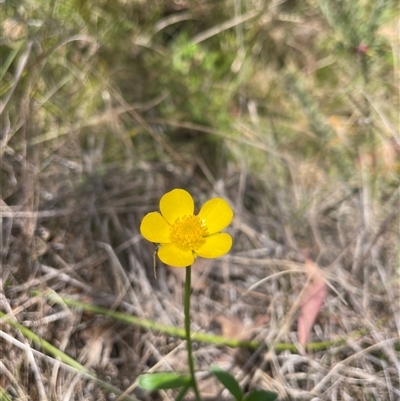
point(312, 300)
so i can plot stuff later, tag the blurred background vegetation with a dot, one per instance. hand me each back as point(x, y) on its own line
point(289, 109)
point(306, 78)
point(303, 96)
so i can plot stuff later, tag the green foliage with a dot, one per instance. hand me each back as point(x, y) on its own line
point(355, 26)
point(199, 80)
point(3, 395)
point(171, 380)
point(228, 381)
point(233, 386)
point(124, 53)
point(356, 22)
point(7, 62)
point(163, 381)
point(261, 395)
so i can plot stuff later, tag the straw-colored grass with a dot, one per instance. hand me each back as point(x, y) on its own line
point(290, 111)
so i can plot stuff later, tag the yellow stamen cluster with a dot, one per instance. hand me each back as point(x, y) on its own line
point(188, 233)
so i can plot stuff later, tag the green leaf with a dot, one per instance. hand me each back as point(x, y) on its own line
point(3, 395)
point(260, 395)
point(162, 380)
point(9, 60)
point(183, 392)
point(228, 381)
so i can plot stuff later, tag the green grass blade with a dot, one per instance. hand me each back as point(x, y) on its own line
point(8, 61)
point(162, 381)
point(228, 381)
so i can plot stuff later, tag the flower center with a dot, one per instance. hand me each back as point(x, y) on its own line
point(188, 233)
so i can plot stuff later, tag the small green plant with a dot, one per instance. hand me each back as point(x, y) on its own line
point(181, 236)
point(233, 386)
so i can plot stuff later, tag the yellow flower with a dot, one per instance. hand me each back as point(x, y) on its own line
point(182, 235)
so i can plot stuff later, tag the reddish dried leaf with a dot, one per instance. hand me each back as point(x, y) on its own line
point(311, 302)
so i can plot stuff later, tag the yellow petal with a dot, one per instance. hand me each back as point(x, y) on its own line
point(215, 246)
point(171, 255)
point(217, 214)
point(176, 203)
point(155, 228)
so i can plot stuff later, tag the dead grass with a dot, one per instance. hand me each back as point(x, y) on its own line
point(301, 137)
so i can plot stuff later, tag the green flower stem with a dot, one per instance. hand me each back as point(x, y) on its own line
point(148, 324)
point(196, 336)
point(187, 331)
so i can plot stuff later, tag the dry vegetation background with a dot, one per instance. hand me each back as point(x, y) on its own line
point(287, 109)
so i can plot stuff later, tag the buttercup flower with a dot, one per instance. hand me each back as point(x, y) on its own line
point(182, 235)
